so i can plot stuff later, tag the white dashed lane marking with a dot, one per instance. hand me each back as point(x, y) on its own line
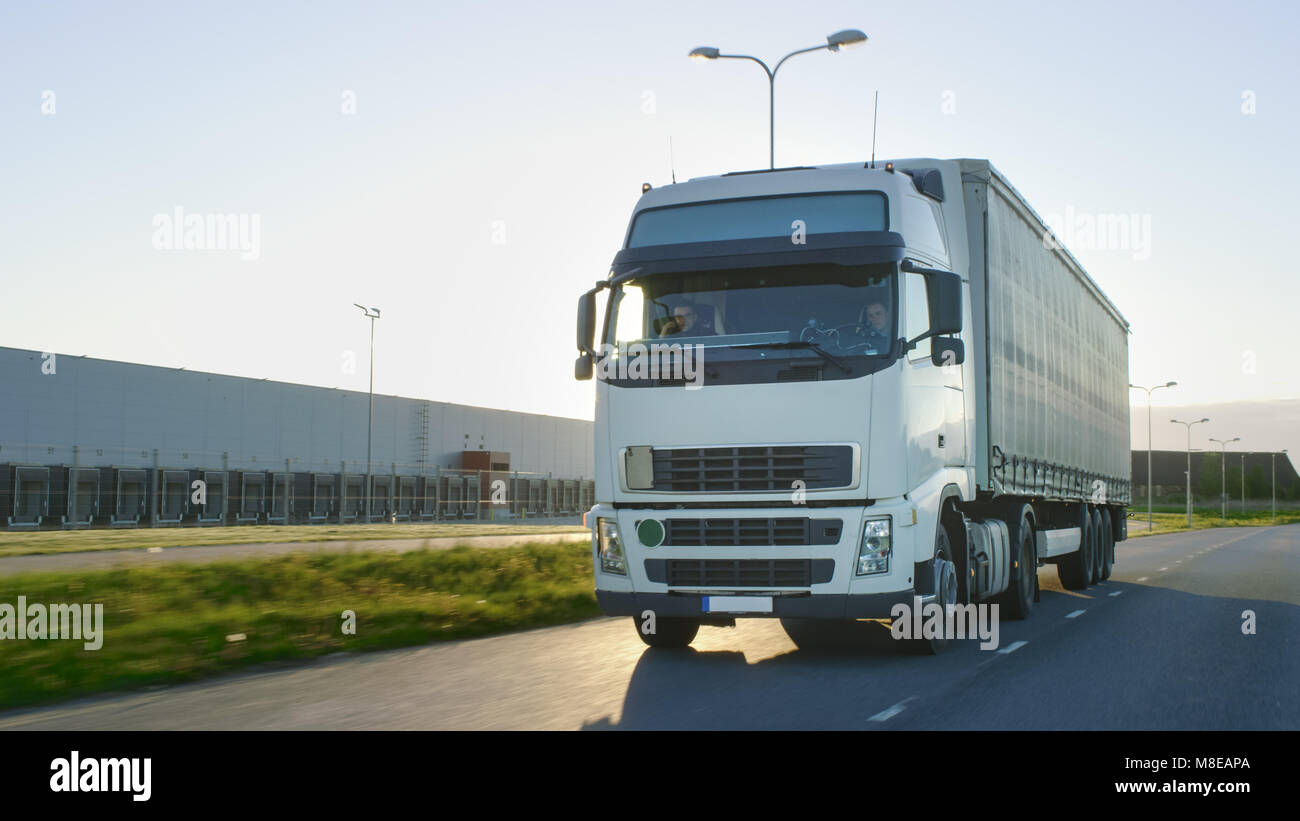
point(1074, 615)
point(890, 712)
point(1013, 647)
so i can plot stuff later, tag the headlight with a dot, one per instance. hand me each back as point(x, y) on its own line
point(610, 548)
point(873, 555)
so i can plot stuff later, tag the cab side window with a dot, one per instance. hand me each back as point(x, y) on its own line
point(916, 320)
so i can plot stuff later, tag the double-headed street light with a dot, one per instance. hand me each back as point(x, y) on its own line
point(1189, 463)
point(372, 314)
point(835, 42)
point(1149, 390)
point(1223, 472)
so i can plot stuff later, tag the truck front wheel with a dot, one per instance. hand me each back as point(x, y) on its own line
point(668, 632)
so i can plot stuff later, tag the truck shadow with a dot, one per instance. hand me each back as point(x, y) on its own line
point(1158, 658)
point(798, 689)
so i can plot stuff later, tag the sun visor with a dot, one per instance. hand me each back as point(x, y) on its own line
point(848, 248)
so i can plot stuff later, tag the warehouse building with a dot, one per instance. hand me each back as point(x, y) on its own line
point(89, 442)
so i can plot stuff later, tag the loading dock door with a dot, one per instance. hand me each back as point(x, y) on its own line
point(214, 507)
point(83, 497)
point(31, 497)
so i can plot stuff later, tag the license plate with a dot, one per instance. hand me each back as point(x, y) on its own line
point(737, 604)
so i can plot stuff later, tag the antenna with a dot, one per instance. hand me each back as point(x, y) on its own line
point(874, 109)
point(671, 163)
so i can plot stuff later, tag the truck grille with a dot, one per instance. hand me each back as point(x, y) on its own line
point(722, 470)
point(746, 532)
point(762, 573)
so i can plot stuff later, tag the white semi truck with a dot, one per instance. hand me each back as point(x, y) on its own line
point(886, 381)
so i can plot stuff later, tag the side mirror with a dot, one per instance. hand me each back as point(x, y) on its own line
point(586, 322)
point(947, 350)
point(944, 295)
point(582, 367)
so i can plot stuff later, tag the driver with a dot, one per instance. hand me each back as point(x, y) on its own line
point(876, 328)
point(685, 321)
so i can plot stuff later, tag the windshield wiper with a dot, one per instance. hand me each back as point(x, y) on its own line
point(810, 345)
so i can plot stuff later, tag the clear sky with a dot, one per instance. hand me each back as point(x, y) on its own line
point(496, 150)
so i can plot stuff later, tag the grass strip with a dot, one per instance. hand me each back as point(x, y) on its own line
point(1203, 520)
point(182, 622)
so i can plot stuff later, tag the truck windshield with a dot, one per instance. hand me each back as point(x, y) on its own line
point(845, 310)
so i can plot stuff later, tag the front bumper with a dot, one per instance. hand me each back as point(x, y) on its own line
point(690, 605)
point(837, 594)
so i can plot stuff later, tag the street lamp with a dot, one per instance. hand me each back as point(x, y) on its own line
point(1223, 473)
point(1274, 459)
point(1149, 390)
point(835, 42)
point(372, 314)
point(1189, 464)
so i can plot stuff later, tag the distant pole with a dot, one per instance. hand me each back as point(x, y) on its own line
point(1274, 460)
point(373, 314)
point(1243, 484)
point(1189, 464)
point(1189, 455)
point(1223, 473)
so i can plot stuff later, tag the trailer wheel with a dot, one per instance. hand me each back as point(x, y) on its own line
point(1098, 541)
point(1107, 544)
point(1018, 600)
point(669, 632)
point(1075, 569)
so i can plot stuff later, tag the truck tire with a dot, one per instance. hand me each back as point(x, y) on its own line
point(1075, 569)
point(1097, 542)
point(1107, 544)
point(669, 632)
point(946, 592)
point(1018, 600)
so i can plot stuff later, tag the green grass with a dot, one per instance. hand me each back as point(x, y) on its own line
point(169, 624)
point(1173, 522)
point(58, 541)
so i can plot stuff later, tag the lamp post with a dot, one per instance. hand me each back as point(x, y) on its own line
point(836, 41)
point(1274, 459)
point(1223, 473)
point(372, 314)
point(1149, 488)
point(1189, 464)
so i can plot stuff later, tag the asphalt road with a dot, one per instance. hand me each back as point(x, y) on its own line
point(1159, 646)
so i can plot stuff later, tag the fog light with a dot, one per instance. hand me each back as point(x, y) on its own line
point(873, 555)
point(610, 548)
